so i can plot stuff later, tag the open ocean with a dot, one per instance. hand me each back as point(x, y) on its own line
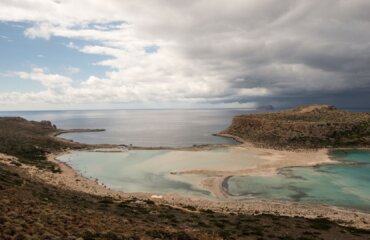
point(146, 128)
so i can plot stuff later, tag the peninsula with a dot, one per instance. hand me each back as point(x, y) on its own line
point(309, 126)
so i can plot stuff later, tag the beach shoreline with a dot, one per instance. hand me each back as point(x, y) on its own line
point(71, 179)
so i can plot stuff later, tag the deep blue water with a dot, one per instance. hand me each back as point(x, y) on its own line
point(173, 128)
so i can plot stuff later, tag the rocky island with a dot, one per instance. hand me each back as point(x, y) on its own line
point(309, 126)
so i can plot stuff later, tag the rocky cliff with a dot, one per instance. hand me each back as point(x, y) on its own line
point(309, 126)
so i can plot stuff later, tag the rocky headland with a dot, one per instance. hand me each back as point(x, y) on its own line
point(309, 126)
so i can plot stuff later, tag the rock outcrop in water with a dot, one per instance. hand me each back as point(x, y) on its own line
point(309, 126)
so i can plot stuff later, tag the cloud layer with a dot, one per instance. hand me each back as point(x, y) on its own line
point(200, 52)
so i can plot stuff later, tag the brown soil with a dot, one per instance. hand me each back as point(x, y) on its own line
point(33, 210)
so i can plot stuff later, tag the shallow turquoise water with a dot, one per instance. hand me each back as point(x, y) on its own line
point(346, 184)
point(155, 170)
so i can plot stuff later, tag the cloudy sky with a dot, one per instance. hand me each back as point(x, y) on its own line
point(67, 54)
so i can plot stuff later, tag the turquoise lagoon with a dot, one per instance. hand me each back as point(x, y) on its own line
point(156, 171)
point(346, 184)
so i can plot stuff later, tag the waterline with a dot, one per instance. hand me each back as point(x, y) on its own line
point(195, 173)
point(344, 185)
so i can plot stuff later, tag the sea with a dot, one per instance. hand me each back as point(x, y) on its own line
point(144, 128)
point(345, 184)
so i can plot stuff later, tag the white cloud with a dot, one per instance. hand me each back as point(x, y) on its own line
point(41, 30)
point(50, 81)
point(209, 51)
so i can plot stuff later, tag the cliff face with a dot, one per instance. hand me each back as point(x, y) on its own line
point(308, 126)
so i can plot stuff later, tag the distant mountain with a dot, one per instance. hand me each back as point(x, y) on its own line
point(308, 126)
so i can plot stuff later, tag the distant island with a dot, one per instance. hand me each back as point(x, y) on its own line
point(265, 107)
point(309, 126)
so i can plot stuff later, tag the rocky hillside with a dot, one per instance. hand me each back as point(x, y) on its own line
point(33, 210)
point(309, 126)
point(30, 141)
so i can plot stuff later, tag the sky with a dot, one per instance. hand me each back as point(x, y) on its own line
point(93, 54)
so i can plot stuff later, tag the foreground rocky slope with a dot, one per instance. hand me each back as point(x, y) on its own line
point(311, 126)
point(33, 210)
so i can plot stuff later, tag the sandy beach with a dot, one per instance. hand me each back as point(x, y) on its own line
point(275, 159)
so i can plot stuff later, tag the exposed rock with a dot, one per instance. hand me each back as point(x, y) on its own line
point(47, 125)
